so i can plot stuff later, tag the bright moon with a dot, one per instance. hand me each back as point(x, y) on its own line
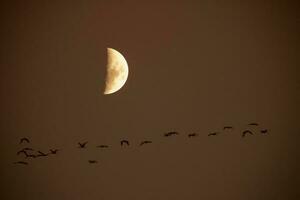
point(116, 71)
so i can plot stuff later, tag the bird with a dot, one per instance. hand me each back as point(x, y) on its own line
point(102, 146)
point(54, 151)
point(82, 145)
point(214, 133)
point(24, 140)
point(253, 124)
point(264, 131)
point(245, 132)
point(227, 127)
point(166, 134)
point(124, 142)
point(41, 154)
point(145, 142)
point(93, 161)
point(192, 135)
point(21, 162)
point(171, 133)
point(22, 151)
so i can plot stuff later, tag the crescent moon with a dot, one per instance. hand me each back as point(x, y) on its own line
point(116, 71)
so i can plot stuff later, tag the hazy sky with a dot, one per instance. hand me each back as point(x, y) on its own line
point(194, 66)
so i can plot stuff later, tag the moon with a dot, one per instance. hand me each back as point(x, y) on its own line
point(116, 71)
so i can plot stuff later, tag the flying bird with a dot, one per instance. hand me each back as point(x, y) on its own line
point(82, 145)
point(124, 142)
point(166, 134)
point(171, 133)
point(22, 151)
point(245, 132)
point(192, 135)
point(24, 140)
point(213, 134)
point(145, 142)
point(102, 146)
point(26, 154)
point(21, 162)
point(227, 127)
point(264, 131)
point(54, 151)
point(253, 124)
point(93, 161)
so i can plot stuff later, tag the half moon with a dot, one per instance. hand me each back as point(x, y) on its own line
point(116, 71)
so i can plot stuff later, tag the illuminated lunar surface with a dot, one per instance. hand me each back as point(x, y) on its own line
point(116, 71)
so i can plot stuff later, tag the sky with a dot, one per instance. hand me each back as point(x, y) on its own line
point(194, 66)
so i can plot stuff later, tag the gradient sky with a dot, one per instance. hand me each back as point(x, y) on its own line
point(194, 66)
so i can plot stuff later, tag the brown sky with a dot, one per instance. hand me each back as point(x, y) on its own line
point(193, 67)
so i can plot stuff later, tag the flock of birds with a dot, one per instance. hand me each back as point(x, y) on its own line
point(31, 153)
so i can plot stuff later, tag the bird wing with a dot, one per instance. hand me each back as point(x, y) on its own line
point(24, 139)
point(253, 124)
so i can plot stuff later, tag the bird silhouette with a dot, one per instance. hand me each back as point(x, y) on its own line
point(253, 124)
point(82, 145)
point(93, 161)
point(264, 131)
point(124, 142)
point(21, 162)
point(53, 151)
point(171, 133)
point(22, 151)
point(145, 142)
point(213, 134)
point(102, 146)
point(166, 134)
point(24, 140)
point(41, 154)
point(192, 135)
point(245, 132)
point(227, 127)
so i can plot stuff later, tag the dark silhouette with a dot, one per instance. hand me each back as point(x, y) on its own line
point(24, 140)
point(213, 134)
point(54, 151)
point(124, 142)
point(82, 145)
point(227, 127)
point(171, 133)
point(26, 154)
point(253, 124)
point(166, 134)
point(22, 151)
point(192, 135)
point(245, 132)
point(93, 161)
point(145, 142)
point(264, 131)
point(21, 162)
point(41, 154)
point(102, 146)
